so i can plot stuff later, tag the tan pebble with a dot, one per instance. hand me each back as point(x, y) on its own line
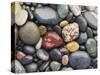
point(72, 46)
point(63, 23)
point(42, 29)
point(65, 60)
point(19, 55)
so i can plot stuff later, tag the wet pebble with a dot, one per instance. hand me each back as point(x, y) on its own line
point(42, 54)
point(55, 55)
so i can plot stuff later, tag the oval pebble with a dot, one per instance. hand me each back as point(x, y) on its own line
point(42, 54)
point(39, 44)
point(27, 35)
point(91, 47)
point(31, 67)
point(91, 19)
point(62, 10)
point(79, 60)
point(55, 66)
point(65, 59)
point(72, 46)
point(55, 54)
point(63, 23)
point(29, 49)
point(21, 17)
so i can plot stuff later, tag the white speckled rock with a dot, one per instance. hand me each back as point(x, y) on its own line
point(75, 9)
point(70, 32)
point(39, 44)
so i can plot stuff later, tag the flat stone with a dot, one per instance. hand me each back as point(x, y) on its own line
point(72, 46)
point(29, 49)
point(62, 10)
point(70, 32)
point(31, 67)
point(42, 54)
point(91, 47)
point(27, 35)
point(46, 15)
point(21, 17)
point(51, 40)
point(76, 10)
point(55, 66)
point(82, 23)
point(82, 38)
point(91, 19)
point(55, 55)
point(80, 60)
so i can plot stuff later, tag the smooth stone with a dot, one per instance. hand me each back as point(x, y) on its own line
point(82, 48)
point(44, 66)
point(29, 49)
point(46, 15)
point(69, 16)
point(20, 55)
point(89, 32)
point(55, 66)
point(65, 59)
point(21, 17)
point(91, 47)
point(82, 23)
point(42, 30)
point(51, 40)
point(63, 23)
point(80, 60)
point(39, 44)
point(57, 29)
point(31, 67)
point(55, 55)
point(62, 11)
point(82, 38)
point(64, 50)
point(76, 10)
point(27, 35)
point(42, 54)
point(91, 19)
point(67, 69)
point(70, 32)
point(18, 67)
point(72, 46)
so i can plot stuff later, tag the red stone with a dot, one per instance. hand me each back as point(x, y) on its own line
point(51, 40)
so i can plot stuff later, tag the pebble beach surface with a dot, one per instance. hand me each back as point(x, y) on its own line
point(53, 37)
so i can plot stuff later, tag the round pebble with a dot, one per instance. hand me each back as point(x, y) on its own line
point(55, 54)
point(21, 17)
point(31, 67)
point(65, 59)
point(55, 66)
point(29, 49)
point(91, 47)
point(42, 29)
point(62, 11)
point(63, 23)
point(82, 38)
point(42, 54)
point(72, 46)
point(27, 35)
point(79, 60)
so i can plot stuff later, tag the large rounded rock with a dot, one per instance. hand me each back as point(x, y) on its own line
point(80, 60)
point(91, 47)
point(46, 15)
point(62, 11)
point(82, 23)
point(70, 32)
point(29, 33)
point(91, 19)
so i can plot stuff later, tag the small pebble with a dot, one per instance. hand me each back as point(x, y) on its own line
point(42, 29)
point(65, 59)
point(72, 46)
point(63, 23)
point(19, 55)
point(64, 50)
point(55, 66)
point(39, 44)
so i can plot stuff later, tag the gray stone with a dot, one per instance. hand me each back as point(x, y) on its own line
point(89, 32)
